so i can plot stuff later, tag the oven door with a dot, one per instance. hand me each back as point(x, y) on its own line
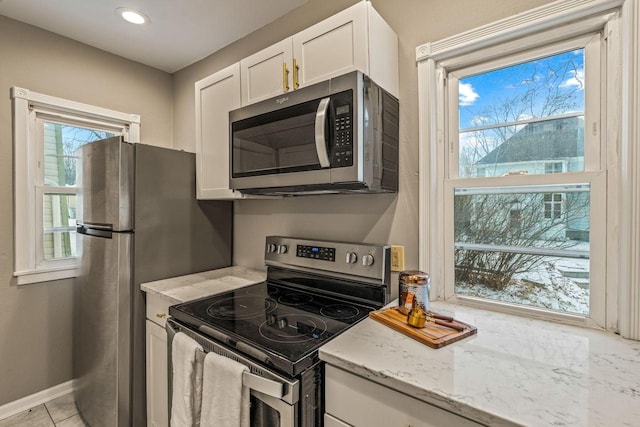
point(274, 398)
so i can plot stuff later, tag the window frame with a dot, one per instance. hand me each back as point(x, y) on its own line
point(557, 23)
point(29, 111)
point(593, 147)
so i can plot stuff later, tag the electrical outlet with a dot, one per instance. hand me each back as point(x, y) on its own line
point(397, 258)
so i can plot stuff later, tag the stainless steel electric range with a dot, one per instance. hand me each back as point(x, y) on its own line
point(314, 291)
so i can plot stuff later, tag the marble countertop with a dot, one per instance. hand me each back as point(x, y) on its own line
point(185, 288)
point(515, 371)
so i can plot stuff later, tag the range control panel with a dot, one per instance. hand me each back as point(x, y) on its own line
point(316, 252)
point(360, 259)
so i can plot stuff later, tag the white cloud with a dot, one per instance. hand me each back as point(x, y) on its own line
point(479, 120)
point(467, 95)
point(576, 81)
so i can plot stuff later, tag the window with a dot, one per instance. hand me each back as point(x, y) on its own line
point(554, 167)
point(47, 133)
point(57, 181)
point(517, 146)
point(553, 206)
point(518, 117)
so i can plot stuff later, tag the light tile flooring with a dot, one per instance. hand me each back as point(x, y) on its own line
point(60, 412)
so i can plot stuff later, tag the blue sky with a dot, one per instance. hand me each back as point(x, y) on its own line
point(561, 74)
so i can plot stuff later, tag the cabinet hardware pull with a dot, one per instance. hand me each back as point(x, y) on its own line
point(285, 77)
point(161, 315)
point(296, 72)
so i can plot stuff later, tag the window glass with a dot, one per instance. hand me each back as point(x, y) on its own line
point(523, 246)
point(59, 219)
point(60, 144)
point(514, 120)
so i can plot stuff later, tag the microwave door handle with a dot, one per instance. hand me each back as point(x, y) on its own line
point(321, 140)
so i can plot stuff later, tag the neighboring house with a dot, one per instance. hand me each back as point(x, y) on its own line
point(550, 146)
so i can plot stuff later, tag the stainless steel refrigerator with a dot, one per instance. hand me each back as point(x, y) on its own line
point(138, 221)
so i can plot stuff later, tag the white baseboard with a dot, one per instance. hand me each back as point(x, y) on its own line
point(35, 399)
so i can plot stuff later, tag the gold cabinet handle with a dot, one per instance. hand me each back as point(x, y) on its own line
point(285, 77)
point(161, 315)
point(296, 70)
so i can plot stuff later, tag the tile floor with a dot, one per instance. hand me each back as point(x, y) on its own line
point(60, 412)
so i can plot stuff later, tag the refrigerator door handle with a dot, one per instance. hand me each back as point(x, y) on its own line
point(94, 231)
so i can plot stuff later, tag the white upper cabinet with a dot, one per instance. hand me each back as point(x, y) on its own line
point(355, 39)
point(216, 95)
point(267, 73)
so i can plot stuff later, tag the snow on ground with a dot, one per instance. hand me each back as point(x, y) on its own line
point(544, 287)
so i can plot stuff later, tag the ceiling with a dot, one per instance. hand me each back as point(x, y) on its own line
point(176, 37)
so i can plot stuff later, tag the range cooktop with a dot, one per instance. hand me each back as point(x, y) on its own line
point(272, 321)
point(314, 291)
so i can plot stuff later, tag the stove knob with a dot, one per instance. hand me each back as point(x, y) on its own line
point(352, 258)
point(271, 248)
point(367, 260)
point(282, 249)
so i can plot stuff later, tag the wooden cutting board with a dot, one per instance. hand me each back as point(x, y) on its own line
point(433, 335)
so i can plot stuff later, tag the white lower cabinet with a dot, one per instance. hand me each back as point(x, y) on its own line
point(354, 401)
point(157, 377)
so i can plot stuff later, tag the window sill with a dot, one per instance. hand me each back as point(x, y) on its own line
point(44, 275)
point(524, 311)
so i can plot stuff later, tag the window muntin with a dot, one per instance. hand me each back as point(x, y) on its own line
point(509, 152)
point(513, 118)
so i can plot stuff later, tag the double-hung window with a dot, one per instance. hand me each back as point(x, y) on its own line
point(520, 165)
point(520, 118)
point(47, 132)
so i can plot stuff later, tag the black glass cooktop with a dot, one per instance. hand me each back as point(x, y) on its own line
point(273, 323)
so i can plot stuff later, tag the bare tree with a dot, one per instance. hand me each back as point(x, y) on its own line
point(511, 220)
point(514, 220)
point(72, 140)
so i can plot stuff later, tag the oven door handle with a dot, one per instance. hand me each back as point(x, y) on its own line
point(263, 385)
point(321, 139)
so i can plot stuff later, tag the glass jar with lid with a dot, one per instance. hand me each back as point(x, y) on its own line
point(413, 285)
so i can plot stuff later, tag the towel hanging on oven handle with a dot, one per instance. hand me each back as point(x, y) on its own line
point(256, 382)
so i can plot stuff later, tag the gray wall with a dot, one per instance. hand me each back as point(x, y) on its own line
point(369, 218)
point(35, 320)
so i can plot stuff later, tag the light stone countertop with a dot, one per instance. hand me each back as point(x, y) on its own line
point(515, 371)
point(185, 288)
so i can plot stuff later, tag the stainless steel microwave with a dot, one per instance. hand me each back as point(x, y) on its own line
point(337, 136)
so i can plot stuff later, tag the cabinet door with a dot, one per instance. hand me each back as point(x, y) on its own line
point(334, 46)
point(267, 73)
point(216, 95)
point(360, 402)
point(157, 388)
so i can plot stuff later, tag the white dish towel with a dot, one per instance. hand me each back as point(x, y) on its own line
point(187, 382)
point(225, 401)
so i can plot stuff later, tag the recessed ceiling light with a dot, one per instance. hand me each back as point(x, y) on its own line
point(132, 16)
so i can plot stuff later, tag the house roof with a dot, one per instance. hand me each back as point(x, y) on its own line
point(545, 140)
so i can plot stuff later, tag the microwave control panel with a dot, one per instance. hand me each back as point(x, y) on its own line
point(343, 132)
